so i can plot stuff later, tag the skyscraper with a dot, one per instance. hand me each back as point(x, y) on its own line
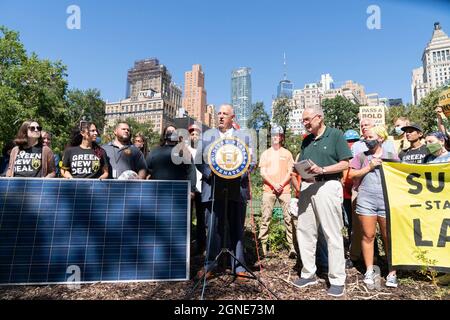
point(326, 82)
point(436, 59)
point(194, 100)
point(211, 116)
point(285, 86)
point(285, 89)
point(419, 89)
point(151, 96)
point(148, 74)
point(435, 64)
point(241, 95)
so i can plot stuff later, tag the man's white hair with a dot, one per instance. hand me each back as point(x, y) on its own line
point(316, 109)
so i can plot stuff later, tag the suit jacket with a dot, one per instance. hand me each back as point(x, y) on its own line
point(238, 189)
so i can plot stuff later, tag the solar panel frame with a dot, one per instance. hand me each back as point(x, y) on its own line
point(44, 203)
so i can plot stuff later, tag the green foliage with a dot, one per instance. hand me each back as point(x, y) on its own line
point(31, 88)
point(422, 114)
point(427, 269)
point(145, 128)
point(393, 114)
point(277, 236)
point(87, 104)
point(281, 109)
point(256, 185)
point(341, 113)
point(259, 117)
point(293, 142)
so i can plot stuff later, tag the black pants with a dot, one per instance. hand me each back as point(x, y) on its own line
point(348, 212)
point(200, 231)
point(235, 235)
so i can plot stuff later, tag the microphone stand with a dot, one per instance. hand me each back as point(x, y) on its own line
point(225, 250)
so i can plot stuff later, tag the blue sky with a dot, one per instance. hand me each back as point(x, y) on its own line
point(318, 37)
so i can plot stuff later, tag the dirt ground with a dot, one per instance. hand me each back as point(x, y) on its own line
point(277, 274)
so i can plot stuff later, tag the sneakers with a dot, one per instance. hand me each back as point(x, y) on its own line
point(369, 277)
point(301, 282)
point(336, 291)
point(391, 281)
point(242, 277)
point(292, 254)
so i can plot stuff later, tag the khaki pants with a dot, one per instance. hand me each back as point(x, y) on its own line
point(320, 203)
point(268, 202)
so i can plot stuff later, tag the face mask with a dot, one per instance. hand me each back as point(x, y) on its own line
point(98, 140)
point(398, 131)
point(171, 136)
point(371, 144)
point(434, 147)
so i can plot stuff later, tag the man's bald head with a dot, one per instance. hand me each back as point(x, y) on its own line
point(227, 107)
point(225, 117)
point(365, 125)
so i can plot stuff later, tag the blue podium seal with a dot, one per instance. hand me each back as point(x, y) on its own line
point(229, 158)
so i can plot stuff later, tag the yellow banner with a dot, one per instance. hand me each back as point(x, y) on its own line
point(418, 212)
point(444, 102)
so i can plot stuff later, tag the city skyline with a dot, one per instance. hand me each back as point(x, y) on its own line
point(317, 39)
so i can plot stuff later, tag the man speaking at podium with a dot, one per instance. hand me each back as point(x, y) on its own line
point(225, 199)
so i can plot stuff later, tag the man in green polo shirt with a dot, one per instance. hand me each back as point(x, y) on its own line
point(320, 201)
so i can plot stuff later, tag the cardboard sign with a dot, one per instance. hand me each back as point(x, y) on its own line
point(376, 114)
point(444, 102)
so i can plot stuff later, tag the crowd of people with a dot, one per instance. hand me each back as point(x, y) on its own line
point(344, 190)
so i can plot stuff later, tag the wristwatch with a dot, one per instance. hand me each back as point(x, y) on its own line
point(323, 171)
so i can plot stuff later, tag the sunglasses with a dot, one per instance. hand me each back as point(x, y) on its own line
point(33, 128)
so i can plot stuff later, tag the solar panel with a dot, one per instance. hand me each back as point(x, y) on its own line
point(59, 231)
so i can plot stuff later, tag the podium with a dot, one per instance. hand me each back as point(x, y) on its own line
point(229, 160)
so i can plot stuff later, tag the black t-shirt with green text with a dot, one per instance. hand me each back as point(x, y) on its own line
point(28, 162)
point(411, 155)
point(83, 163)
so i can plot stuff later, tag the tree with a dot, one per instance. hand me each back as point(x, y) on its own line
point(393, 114)
point(259, 117)
point(281, 110)
point(422, 114)
point(80, 105)
point(293, 142)
point(86, 104)
point(341, 113)
point(32, 88)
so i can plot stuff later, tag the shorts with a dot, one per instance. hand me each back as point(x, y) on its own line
point(370, 204)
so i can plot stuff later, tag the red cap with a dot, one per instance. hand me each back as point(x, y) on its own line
point(193, 127)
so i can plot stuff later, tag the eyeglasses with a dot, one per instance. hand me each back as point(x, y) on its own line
point(224, 115)
point(308, 120)
point(33, 128)
point(93, 131)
